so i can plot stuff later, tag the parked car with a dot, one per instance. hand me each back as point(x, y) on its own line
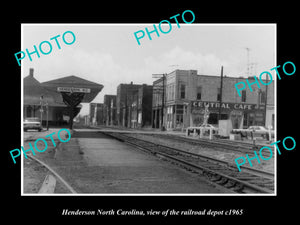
point(257, 128)
point(260, 131)
point(257, 131)
point(32, 123)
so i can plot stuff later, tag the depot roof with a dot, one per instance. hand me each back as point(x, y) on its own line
point(33, 89)
point(75, 82)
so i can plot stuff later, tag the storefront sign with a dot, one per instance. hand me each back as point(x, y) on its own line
point(225, 105)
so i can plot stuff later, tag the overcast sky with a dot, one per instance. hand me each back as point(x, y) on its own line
point(109, 54)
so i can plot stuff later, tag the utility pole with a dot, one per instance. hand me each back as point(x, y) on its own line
point(265, 114)
point(221, 93)
point(163, 76)
point(41, 108)
point(248, 63)
point(163, 103)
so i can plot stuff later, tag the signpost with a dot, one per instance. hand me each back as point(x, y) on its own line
point(72, 96)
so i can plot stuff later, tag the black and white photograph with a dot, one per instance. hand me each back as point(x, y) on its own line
point(162, 117)
point(173, 115)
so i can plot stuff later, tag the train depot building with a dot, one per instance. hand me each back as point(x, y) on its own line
point(186, 94)
point(49, 100)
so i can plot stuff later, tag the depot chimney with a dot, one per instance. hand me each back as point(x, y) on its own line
point(31, 72)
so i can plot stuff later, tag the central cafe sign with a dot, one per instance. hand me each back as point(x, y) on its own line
point(224, 105)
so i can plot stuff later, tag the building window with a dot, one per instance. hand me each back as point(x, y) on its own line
point(182, 91)
point(185, 109)
point(243, 96)
point(179, 121)
point(262, 97)
point(172, 92)
point(179, 109)
point(213, 118)
point(199, 90)
point(167, 92)
point(245, 124)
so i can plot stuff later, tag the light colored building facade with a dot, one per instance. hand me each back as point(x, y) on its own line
point(186, 94)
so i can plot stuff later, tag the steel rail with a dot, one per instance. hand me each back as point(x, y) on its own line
point(263, 173)
point(251, 187)
point(55, 173)
point(239, 147)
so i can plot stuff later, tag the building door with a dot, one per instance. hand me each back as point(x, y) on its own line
point(153, 118)
point(157, 118)
point(236, 119)
point(245, 122)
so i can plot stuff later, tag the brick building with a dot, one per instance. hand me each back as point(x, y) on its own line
point(126, 94)
point(96, 114)
point(187, 93)
point(110, 110)
point(134, 105)
point(142, 107)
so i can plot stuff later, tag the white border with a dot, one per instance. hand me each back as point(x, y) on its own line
point(22, 106)
point(143, 24)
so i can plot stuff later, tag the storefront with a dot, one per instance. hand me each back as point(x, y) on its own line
point(184, 94)
point(175, 116)
point(242, 115)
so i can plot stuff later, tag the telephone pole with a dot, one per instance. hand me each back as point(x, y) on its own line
point(221, 93)
point(163, 76)
point(266, 96)
point(248, 63)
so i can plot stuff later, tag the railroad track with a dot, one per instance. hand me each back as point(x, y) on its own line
point(221, 144)
point(245, 148)
point(55, 174)
point(249, 180)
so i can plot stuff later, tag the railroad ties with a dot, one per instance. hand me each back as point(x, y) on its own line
point(217, 171)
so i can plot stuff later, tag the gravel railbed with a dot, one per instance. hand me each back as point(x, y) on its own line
point(33, 172)
point(217, 153)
